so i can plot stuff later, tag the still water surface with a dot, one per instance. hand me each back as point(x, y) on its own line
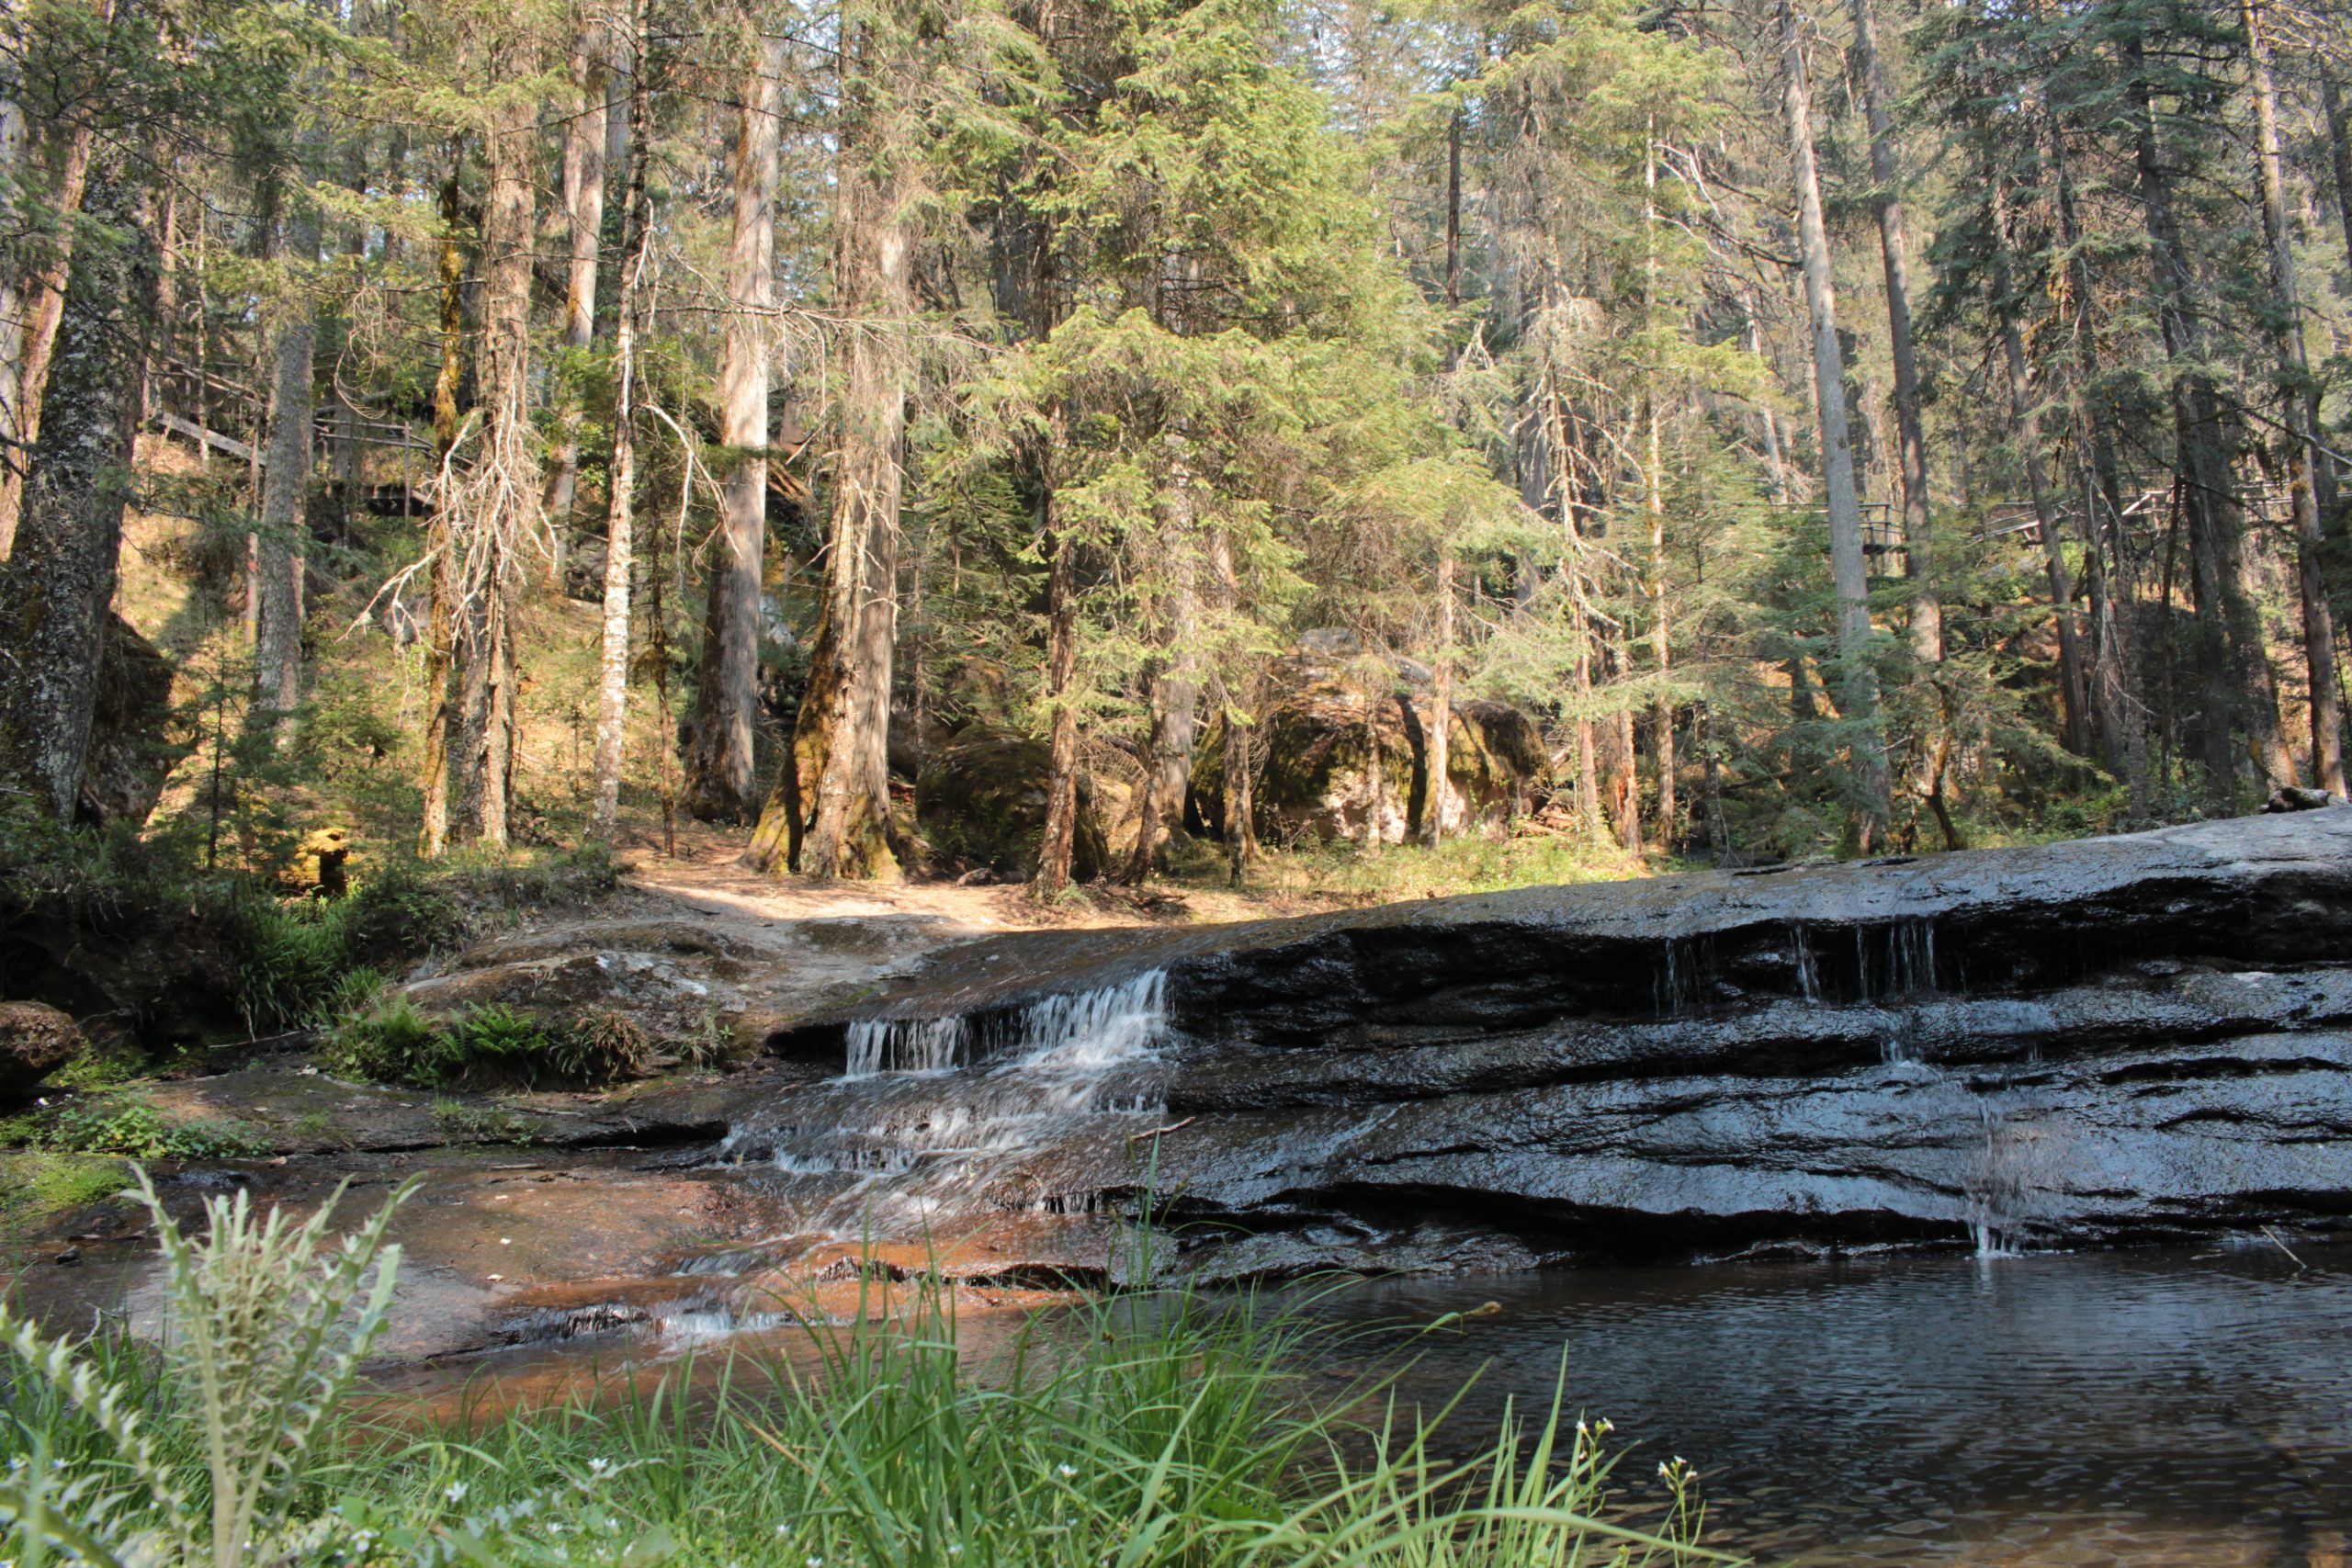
point(2142, 1409)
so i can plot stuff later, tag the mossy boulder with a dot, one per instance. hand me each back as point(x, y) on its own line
point(1347, 757)
point(35, 1040)
point(1494, 760)
point(981, 806)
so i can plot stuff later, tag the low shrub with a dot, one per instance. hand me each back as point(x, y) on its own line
point(389, 1043)
point(128, 1125)
point(491, 1046)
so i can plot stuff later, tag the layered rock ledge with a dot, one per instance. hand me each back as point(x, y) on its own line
point(2115, 1040)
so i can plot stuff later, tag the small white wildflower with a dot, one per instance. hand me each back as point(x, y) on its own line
point(455, 1492)
point(598, 1466)
point(955, 1549)
point(816, 1563)
point(782, 1530)
point(1065, 1471)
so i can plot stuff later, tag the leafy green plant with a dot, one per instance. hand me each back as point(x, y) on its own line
point(293, 956)
point(397, 914)
point(131, 1126)
point(390, 1042)
point(269, 1322)
point(485, 1124)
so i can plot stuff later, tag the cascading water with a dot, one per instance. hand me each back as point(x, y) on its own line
point(937, 1119)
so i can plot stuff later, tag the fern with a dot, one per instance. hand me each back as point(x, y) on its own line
point(268, 1323)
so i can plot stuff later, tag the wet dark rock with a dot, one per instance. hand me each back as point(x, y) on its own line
point(2106, 1041)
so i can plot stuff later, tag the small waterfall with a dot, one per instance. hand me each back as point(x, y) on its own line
point(1683, 984)
point(904, 1045)
point(1077, 1033)
point(933, 1119)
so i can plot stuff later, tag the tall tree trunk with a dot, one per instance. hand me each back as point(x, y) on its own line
point(502, 492)
point(841, 740)
point(583, 206)
point(1859, 679)
point(2122, 738)
point(1238, 697)
point(441, 538)
point(2025, 419)
point(1927, 609)
point(1437, 746)
point(2229, 633)
point(719, 785)
point(1581, 624)
point(1662, 708)
point(44, 307)
point(620, 496)
point(1654, 503)
point(277, 639)
point(2294, 375)
point(1054, 850)
point(54, 595)
point(1174, 720)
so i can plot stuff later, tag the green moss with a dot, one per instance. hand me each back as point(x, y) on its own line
point(46, 1182)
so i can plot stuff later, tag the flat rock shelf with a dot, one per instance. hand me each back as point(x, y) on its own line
point(2130, 1039)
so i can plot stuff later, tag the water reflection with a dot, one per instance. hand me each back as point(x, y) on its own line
point(2130, 1408)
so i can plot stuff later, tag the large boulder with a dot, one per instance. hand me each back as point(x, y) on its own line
point(1346, 756)
point(980, 804)
point(35, 1040)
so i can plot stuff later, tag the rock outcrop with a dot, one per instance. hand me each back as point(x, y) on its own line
point(2104, 1040)
point(1347, 757)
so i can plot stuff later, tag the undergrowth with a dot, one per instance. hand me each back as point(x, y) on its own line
point(492, 1047)
point(127, 1125)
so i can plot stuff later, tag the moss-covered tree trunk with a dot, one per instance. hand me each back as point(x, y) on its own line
point(839, 773)
point(1173, 721)
point(37, 320)
point(1054, 850)
point(1439, 746)
point(55, 593)
point(720, 786)
point(277, 626)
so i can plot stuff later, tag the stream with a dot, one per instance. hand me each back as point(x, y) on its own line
point(2066, 1411)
